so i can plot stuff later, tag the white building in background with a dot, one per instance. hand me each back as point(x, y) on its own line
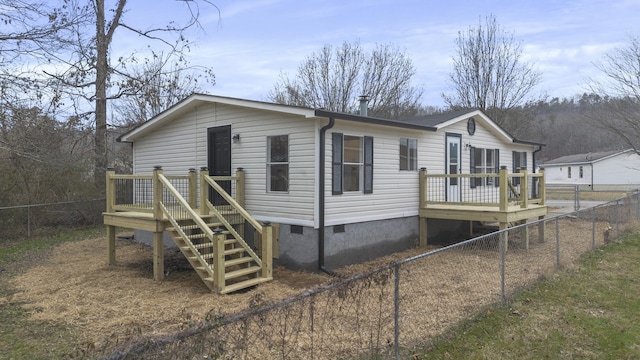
point(597, 171)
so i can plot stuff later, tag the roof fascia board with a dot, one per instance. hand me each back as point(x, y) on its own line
point(196, 99)
point(484, 118)
point(371, 120)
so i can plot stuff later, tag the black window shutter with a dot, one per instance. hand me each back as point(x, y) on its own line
point(472, 170)
point(524, 157)
point(496, 181)
point(336, 164)
point(368, 164)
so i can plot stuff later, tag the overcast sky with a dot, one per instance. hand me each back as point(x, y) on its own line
point(253, 41)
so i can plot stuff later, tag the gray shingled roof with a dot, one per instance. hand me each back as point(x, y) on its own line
point(433, 120)
point(583, 158)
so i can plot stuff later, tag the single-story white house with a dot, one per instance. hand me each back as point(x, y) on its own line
point(344, 188)
point(619, 169)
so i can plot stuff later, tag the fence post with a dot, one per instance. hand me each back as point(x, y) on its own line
point(557, 243)
point(193, 188)
point(503, 255)
point(204, 191)
point(617, 218)
point(29, 222)
point(240, 186)
point(593, 227)
point(396, 312)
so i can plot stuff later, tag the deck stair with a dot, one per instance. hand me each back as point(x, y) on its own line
point(214, 245)
point(240, 269)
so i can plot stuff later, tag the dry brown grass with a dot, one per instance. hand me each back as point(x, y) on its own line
point(74, 286)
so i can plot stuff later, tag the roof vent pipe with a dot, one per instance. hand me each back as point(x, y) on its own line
point(364, 102)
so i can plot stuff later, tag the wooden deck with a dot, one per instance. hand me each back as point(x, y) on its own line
point(210, 237)
point(505, 203)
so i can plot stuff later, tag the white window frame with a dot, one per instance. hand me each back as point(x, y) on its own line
point(408, 154)
point(271, 163)
point(487, 165)
point(359, 164)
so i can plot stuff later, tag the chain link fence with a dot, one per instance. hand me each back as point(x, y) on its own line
point(387, 312)
point(24, 221)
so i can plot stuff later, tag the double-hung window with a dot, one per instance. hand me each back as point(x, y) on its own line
point(484, 161)
point(408, 154)
point(352, 164)
point(278, 163)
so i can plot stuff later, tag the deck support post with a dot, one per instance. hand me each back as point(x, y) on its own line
point(267, 250)
point(111, 245)
point(524, 233)
point(541, 229)
point(218, 261)
point(111, 230)
point(158, 238)
point(158, 256)
point(422, 204)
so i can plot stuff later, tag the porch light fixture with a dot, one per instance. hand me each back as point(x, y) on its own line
point(236, 138)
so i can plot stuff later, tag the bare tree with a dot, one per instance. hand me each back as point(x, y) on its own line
point(489, 74)
point(618, 89)
point(334, 79)
point(81, 75)
point(159, 83)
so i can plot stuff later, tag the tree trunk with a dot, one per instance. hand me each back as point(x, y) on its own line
point(100, 142)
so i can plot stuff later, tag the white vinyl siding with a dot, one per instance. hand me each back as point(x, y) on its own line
point(180, 145)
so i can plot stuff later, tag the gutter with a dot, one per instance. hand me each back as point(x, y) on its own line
point(321, 205)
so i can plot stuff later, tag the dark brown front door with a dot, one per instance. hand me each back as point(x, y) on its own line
point(219, 159)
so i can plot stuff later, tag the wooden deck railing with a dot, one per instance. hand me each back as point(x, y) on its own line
point(126, 192)
point(170, 198)
point(499, 190)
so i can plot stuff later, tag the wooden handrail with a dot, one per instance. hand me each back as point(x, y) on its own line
point(195, 217)
point(234, 203)
point(502, 201)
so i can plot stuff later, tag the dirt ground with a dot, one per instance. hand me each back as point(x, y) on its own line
point(75, 286)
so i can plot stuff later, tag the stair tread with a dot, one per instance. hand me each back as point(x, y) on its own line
point(238, 261)
point(242, 272)
point(234, 251)
point(244, 284)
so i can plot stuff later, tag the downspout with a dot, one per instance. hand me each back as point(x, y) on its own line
point(321, 202)
point(533, 154)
